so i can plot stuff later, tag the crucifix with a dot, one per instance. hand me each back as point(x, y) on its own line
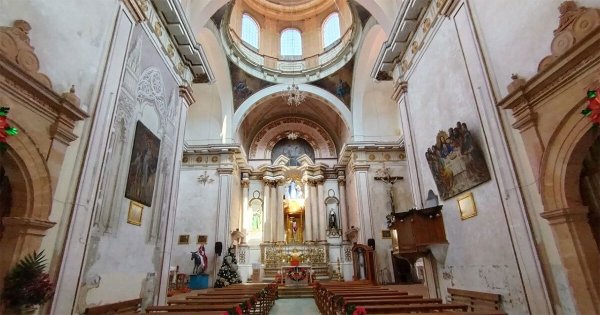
point(384, 175)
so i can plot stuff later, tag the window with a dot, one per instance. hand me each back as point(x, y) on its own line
point(250, 31)
point(291, 42)
point(331, 29)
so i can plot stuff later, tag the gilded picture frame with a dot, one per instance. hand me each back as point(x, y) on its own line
point(466, 206)
point(183, 239)
point(134, 216)
point(202, 239)
point(386, 234)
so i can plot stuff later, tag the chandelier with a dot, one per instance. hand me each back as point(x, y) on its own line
point(294, 96)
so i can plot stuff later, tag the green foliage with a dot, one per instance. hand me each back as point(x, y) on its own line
point(27, 284)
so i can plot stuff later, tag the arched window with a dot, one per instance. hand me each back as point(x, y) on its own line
point(291, 42)
point(250, 30)
point(331, 29)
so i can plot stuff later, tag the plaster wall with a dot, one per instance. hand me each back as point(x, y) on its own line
point(196, 215)
point(436, 102)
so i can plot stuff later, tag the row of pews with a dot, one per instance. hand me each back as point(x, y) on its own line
point(234, 299)
point(357, 298)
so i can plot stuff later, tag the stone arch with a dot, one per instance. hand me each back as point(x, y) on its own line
point(29, 177)
point(560, 168)
point(255, 99)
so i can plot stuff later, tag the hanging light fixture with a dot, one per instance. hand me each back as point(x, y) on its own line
point(293, 94)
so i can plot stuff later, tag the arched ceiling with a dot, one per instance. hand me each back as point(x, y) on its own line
point(275, 107)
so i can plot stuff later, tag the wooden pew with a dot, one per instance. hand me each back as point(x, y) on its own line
point(477, 301)
point(129, 306)
point(410, 308)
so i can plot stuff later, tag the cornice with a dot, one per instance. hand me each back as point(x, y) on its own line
point(366, 146)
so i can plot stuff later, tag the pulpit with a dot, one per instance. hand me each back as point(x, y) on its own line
point(414, 231)
point(364, 263)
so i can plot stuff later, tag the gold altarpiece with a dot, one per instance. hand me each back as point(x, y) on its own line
point(293, 211)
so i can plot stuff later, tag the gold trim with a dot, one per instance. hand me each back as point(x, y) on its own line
point(464, 212)
point(134, 216)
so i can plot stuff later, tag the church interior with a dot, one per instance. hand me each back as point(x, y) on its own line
point(216, 157)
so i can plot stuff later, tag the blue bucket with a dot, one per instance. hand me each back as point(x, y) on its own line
point(198, 282)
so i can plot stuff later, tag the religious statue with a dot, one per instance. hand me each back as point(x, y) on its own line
point(256, 220)
point(200, 260)
point(294, 229)
point(332, 220)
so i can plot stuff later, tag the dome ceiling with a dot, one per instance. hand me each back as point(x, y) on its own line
point(290, 10)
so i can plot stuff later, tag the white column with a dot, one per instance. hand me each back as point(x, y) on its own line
point(274, 209)
point(363, 207)
point(345, 219)
point(315, 211)
point(307, 213)
point(280, 224)
point(321, 207)
point(266, 212)
point(244, 205)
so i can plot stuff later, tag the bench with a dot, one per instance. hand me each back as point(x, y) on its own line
point(477, 301)
point(129, 306)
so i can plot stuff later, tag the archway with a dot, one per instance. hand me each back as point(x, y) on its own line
point(589, 185)
point(565, 211)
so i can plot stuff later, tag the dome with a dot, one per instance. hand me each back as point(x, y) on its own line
point(284, 41)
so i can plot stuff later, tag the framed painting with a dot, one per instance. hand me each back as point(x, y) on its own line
point(184, 239)
point(202, 239)
point(386, 234)
point(456, 162)
point(466, 205)
point(142, 167)
point(134, 216)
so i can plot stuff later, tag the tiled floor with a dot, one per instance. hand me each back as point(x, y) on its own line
point(294, 307)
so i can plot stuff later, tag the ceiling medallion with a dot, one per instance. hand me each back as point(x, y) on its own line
point(294, 96)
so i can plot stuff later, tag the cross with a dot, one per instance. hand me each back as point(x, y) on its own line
point(384, 175)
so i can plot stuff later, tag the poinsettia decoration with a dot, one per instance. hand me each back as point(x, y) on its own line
point(5, 129)
point(593, 108)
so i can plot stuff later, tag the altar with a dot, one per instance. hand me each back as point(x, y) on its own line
point(296, 275)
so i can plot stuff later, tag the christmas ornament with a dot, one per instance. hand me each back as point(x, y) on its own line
point(228, 273)
point(5, 129)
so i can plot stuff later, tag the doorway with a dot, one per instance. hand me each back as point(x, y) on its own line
point(589, 185)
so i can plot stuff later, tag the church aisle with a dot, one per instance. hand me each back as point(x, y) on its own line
point(295, 307)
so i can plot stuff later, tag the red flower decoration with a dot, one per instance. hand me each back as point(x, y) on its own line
point(238, 309)
point(593, 108)
point(360, 311)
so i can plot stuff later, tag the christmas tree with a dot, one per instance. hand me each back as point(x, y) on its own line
point(228, 274)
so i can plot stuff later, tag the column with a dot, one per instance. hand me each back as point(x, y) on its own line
point(363, 207)
point(345, 218)
point(315, 211)
point(274, 209)
point(244, 206)
point(266, 212)
point(280, 224)
point(322, 213)
point(307, 213)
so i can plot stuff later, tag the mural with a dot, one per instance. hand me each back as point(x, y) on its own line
point(244, 85)
point(339, 83)
point(292, 149)
point(456, 162)
point(143, 165)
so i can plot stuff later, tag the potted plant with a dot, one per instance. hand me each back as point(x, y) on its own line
point(27, 285)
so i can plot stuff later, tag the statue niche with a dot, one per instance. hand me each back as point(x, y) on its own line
point(293, 207)
point(292, 149)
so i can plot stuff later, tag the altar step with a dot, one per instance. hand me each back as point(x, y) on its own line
point(293, 292)
point(321, 272)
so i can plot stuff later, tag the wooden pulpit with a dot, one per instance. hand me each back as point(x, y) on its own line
point(415, 230)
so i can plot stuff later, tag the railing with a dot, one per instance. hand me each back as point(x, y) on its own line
point(285, 65)
point(277, 255)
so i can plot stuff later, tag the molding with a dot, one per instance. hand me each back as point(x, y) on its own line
point(559, 216)
point(176, 22)
point(352, 147)
point(186, 92)
point(137, 8)
point(400, 88)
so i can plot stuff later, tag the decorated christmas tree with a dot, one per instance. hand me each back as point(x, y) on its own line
point(228, 274)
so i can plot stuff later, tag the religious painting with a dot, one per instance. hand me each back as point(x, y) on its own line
point(134, 216)
point(244, 85)
point(386, 234)
point(339, 83)
point(143, 166)
point(184, 239)
point(202, 239)
point(466, 206)
point(292, 149)
point(456, 162)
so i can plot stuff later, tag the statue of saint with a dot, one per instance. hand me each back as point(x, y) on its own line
point(332, 220)
point(294, 229)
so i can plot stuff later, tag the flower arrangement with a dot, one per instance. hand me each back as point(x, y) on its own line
point(297, 274)
point(27, 285)
point(5, 129)
point(592, 109)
